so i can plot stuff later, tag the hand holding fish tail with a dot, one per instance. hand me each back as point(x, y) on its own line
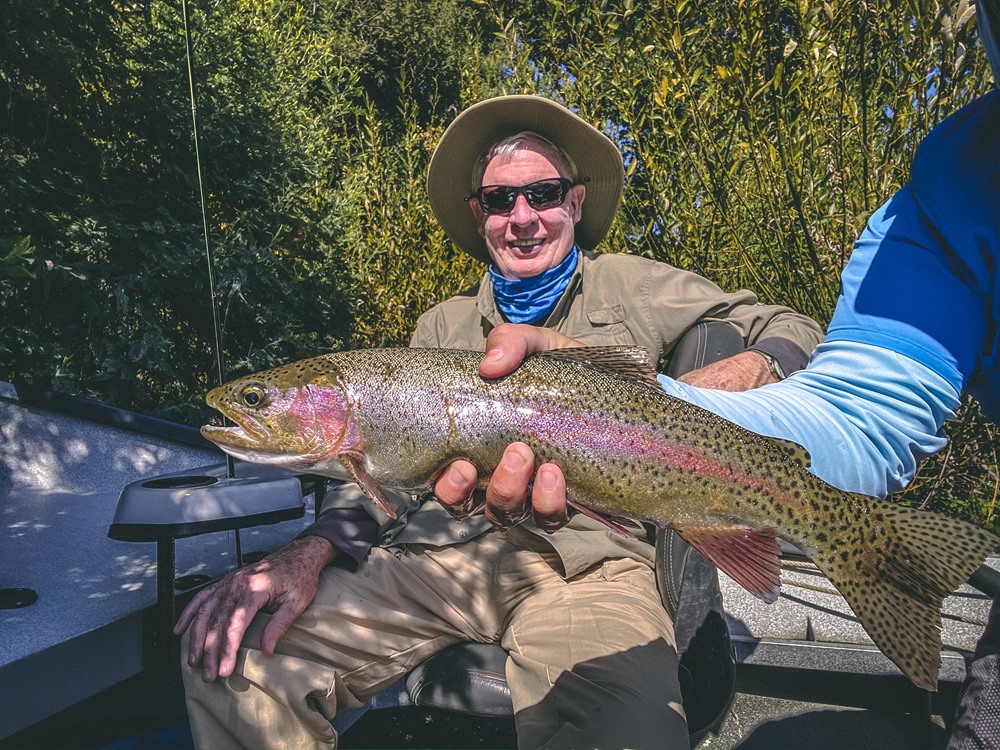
point(283, 584)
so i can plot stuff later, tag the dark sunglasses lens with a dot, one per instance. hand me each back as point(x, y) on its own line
point(544, 194)
point(497, 199)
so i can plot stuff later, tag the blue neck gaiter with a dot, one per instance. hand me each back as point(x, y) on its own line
point(530, 300)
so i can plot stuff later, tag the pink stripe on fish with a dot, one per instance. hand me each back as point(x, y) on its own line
point(597, 435)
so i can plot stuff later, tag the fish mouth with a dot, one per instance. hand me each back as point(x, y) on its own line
point(247, 432)
point(233, 437)
point(242, 444)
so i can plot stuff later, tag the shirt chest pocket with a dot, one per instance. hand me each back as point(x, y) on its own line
point(606, 316)
point(607, 327)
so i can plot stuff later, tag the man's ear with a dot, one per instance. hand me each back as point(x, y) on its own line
point(480, 215)
point(576, 196)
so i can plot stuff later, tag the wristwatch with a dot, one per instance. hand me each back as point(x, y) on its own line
point(773, 363)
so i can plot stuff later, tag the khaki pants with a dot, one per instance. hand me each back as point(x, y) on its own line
point(591, 659)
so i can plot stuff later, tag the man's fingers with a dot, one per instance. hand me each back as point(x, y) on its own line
point(200, 613)
point(279, 623)
point(212, 643)
point(232, 637)
point(455, 488)
point(506, 348)
point(191, 610)
point(548, 498)
point(506, 496)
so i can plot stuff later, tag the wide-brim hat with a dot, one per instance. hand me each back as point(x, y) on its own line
point(449, 176)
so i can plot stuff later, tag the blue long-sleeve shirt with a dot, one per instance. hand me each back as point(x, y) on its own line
point(917, 322)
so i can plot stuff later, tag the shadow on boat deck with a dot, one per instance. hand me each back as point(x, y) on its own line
point(147, 713)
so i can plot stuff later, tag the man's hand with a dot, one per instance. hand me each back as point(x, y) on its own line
point(283, 583)
point(507, 494)
point(507, 345)
point(741, 372)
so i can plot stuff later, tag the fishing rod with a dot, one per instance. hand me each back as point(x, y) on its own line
point(209, 253)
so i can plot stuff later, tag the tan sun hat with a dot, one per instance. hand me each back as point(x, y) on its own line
point(449, 176)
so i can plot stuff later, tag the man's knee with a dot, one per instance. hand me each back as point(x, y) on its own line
point(626, 699)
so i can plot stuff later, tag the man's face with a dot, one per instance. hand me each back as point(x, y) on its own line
point(527, 241)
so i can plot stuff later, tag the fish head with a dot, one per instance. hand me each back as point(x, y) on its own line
point(298, 416)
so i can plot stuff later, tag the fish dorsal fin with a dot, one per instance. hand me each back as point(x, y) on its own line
point(792, 450)
point(748, 556)
point(631, 362)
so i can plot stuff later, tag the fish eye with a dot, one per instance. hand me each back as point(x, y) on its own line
point(253, 396)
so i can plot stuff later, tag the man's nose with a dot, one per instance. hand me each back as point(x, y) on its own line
point(522, 212)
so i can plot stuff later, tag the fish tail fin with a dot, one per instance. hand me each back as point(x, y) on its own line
point(895, 568)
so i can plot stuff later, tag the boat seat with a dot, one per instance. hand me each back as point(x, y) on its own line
point(470, 677)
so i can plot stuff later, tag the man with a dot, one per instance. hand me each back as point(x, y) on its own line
point(525, 185)
point(916, 325)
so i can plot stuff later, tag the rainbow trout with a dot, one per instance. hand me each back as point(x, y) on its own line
point(397, 417)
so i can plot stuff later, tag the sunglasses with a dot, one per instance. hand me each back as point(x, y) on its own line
point(500, 199)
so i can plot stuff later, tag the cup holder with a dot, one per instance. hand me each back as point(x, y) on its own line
point(17, 598)
point(180, 483)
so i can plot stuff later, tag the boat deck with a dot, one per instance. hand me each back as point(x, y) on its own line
point(60, 479)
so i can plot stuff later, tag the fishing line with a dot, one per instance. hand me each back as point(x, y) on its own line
point(209, 254)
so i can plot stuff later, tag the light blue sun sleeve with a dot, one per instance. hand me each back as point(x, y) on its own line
point(865, 414)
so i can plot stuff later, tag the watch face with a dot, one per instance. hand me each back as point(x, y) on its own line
point(773, 364)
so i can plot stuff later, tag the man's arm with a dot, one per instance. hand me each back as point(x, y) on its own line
point(741, 372)
point(283, 583)
point(674, 300)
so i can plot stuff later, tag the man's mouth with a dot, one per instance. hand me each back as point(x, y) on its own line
point(526, 247)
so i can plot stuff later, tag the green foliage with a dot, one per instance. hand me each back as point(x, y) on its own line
point(14, 252)
point(758, 137)
point(963, 479)
point(397, 252)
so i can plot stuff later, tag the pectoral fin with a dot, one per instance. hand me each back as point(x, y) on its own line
point(355, 464)
point(748, 556)
point(608, 521)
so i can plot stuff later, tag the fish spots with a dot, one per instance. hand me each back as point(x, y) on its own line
point(628, 450)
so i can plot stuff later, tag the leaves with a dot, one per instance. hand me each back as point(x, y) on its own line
point(14, 252)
